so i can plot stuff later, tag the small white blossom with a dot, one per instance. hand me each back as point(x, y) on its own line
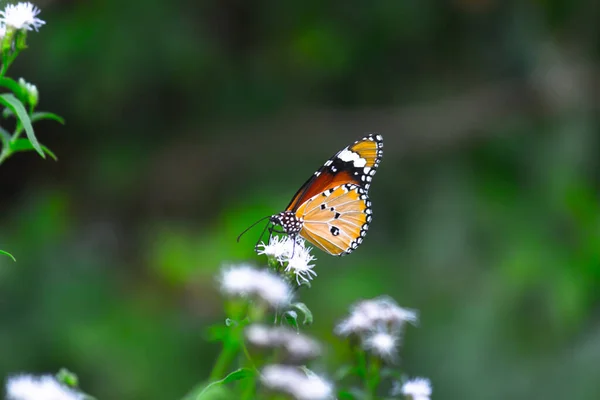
point(46, 387)
point(279, 247)
point(376, 313)
point(247, 281)
point(382, 344)
point(300, 384)
point(300, 264)
point(296, 345)
point(414, 389)
point(291, 253)
point(21, 16)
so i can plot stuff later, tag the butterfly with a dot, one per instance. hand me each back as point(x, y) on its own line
point(332, 209)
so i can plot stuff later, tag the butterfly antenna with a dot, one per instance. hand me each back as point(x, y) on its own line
point(252, 226)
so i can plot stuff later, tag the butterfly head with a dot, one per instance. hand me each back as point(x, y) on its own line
point(288, 220)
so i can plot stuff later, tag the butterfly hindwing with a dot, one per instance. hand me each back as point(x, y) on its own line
point(355, 164)
point(337, 219)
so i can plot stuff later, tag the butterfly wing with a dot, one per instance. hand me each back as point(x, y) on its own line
point(336, 221)
point(354, 164)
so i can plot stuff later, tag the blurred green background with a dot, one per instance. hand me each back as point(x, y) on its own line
point(187, 121)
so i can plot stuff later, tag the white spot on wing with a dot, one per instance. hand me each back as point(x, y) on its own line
point(350, 156)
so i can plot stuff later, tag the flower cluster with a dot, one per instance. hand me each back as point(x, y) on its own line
point(299, 383)
point(414, 389)
point(45, 387)
point(292, 254)
point(297, 347)
point(21, 16)
point(249, 282)
point(378, 323)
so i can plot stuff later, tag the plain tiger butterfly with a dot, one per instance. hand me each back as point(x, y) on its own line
point(332, 209)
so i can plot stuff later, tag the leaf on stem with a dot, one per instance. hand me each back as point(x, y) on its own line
point(25, 145)
point(42, 115)
point(236, 375)
point(4, 136)
point(308, 316)
point(14, 87)
point(17, 107)
point(6, 253)
point(291, 317)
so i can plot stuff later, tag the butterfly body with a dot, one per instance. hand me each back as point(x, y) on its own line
point(332, 209)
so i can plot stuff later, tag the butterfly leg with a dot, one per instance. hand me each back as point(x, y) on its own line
point(294, 246)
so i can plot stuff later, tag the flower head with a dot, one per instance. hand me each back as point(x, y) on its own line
point(299, 384)
point(414, 389)
point(31, 90)
point(378, 312)
point(279, 247)
point(291, 253)
point(300, 263)
point(247, 281)
point(382, 344)
point(46, 387)
point(21, 16)
point(296, 345)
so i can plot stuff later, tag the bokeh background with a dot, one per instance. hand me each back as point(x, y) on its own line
point(187, 121)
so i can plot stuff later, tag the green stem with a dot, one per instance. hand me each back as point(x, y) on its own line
point(9, 60)
point(225, 358)
point(372, 379)
point(250, 387)
point(5, 153)
point(6, 146)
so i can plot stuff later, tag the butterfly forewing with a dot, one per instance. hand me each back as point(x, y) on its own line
point(337, 219)
point(355, 164)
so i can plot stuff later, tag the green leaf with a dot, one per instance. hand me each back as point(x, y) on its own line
point(308, 316)
point(67, 377)
point(291, 318)
point(343, 395)
point(236, 375)
point(42, 115)
point(4, 136)
point(25, 145)
point(15, 104)
point(13, 86)
point(6, 253)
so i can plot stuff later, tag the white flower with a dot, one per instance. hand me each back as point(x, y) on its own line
point(300, 263)
point(382, 344)
point(296, 345)
point(376, 313)
point(415, 389)
point(247, 281)
point(21, 16)
point(278, 247)
point(293, 253)
point(2, 30)
point(46, 387)
point(301, 385)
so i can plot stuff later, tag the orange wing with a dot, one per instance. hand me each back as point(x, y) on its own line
point(354, 164)
point(336, 221)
